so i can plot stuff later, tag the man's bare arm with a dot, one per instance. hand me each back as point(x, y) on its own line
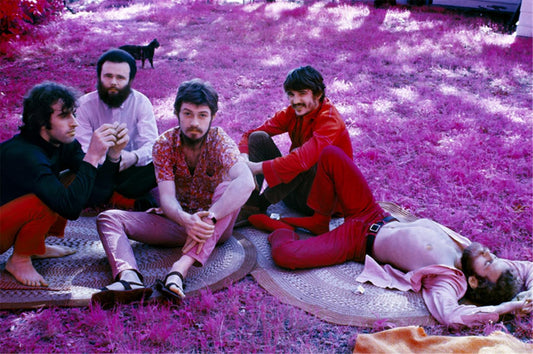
point(196, 229)
point(237, 192)
point(255, 167)
point(515, 306)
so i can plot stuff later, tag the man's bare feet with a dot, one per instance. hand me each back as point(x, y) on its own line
point(174, 283)
point(55, 252)
point(20, 268)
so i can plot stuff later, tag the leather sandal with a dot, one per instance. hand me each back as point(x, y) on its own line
point(108, 298)
point(164, 288)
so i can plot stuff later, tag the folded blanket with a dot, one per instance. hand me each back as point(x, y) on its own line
point(415, 340)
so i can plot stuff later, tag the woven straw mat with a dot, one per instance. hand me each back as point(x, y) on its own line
point(331, 293)
point(73, 279)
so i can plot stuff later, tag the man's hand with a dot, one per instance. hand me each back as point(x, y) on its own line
point(128, 159)
point(121, 140)
point(102, 139)
point(524, 295)
point(515, 306)
point(255, 167)
point(198, 230)
point(526, 298)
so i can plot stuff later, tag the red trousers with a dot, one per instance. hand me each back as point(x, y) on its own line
point(24, 224)
point(337, 180)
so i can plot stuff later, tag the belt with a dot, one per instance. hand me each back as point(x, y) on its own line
point(373, 231)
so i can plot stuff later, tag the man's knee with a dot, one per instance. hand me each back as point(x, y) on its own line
point(282, 257)
point(258, 137)
point(282, 241)
point(330, 151)
point(36, 208)
point(108, 217)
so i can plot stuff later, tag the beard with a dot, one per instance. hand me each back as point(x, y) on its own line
point(114, 100)
point(194, 141)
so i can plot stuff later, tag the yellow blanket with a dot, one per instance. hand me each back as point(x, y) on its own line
point(415, 340)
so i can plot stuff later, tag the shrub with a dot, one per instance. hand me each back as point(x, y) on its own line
point(20, 16)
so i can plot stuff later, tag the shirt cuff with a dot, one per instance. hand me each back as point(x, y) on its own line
point(114, 161)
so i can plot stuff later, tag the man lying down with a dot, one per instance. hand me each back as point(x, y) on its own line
point(422, 255)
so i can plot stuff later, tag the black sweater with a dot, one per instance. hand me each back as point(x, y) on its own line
point(32, 165)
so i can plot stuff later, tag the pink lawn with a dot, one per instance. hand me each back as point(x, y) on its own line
point(438, 104)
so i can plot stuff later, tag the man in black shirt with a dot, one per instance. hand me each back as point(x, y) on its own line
point(34, 201)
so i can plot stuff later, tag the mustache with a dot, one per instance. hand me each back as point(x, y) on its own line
point(193, 129)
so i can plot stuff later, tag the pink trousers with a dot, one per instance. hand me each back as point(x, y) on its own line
point(24, 224)
point(117, 227)
point(338, 182)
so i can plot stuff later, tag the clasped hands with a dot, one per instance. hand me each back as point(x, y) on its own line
point(110, 139)
point(199, 228)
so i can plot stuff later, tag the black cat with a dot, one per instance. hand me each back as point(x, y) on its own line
point(142, 52)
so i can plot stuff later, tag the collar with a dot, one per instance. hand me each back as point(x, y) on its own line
point(314, 113)
point(48, 148)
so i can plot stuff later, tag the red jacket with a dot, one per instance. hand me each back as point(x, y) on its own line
point(309, 135)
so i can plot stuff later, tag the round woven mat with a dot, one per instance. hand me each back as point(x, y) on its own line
point(73, 279)
point(331, 293)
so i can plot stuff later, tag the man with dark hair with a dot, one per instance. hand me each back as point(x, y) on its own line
point(35, 201)
point(202, 185)
point(312, 123)
point(116, 101)
point(421, 255)
point(490, 281)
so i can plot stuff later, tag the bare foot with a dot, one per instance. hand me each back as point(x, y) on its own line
point(20, 268)
point(55, 252)
point(129, 276)
point(174, 280)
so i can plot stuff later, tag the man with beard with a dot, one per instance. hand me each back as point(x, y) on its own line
point(202, 185)
point(115, 101)
point(35, 199)
point(421, 255)
point(312, 123)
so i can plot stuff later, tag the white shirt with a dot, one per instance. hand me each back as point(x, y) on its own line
point(137, 112)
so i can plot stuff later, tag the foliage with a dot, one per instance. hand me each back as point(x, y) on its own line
point(20, 16)
point(438, 106)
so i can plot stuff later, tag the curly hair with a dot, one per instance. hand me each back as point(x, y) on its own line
point(198, 92)
point(305, 77)
point(488, 292)
point(37, 106)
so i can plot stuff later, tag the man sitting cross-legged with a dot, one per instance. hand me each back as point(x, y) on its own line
point(116, 101)
point(312, 123)
point(425, 256)
point(202, 184)
point(35, 200)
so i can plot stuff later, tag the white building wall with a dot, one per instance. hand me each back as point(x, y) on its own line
point(524, 27)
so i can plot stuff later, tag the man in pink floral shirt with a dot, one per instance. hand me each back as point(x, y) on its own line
point(202, 185)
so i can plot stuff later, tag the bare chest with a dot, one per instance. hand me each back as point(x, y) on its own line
point(410, 246)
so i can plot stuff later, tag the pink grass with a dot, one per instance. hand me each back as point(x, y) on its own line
point(439, 108)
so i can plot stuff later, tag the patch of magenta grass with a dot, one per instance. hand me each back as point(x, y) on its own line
point(241, 319)
point(438, 105)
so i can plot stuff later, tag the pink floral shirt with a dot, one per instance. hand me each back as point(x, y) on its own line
point(194, 192)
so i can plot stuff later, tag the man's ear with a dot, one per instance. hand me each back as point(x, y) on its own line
point(472, 281)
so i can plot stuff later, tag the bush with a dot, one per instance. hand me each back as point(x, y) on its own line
point(20, 16)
